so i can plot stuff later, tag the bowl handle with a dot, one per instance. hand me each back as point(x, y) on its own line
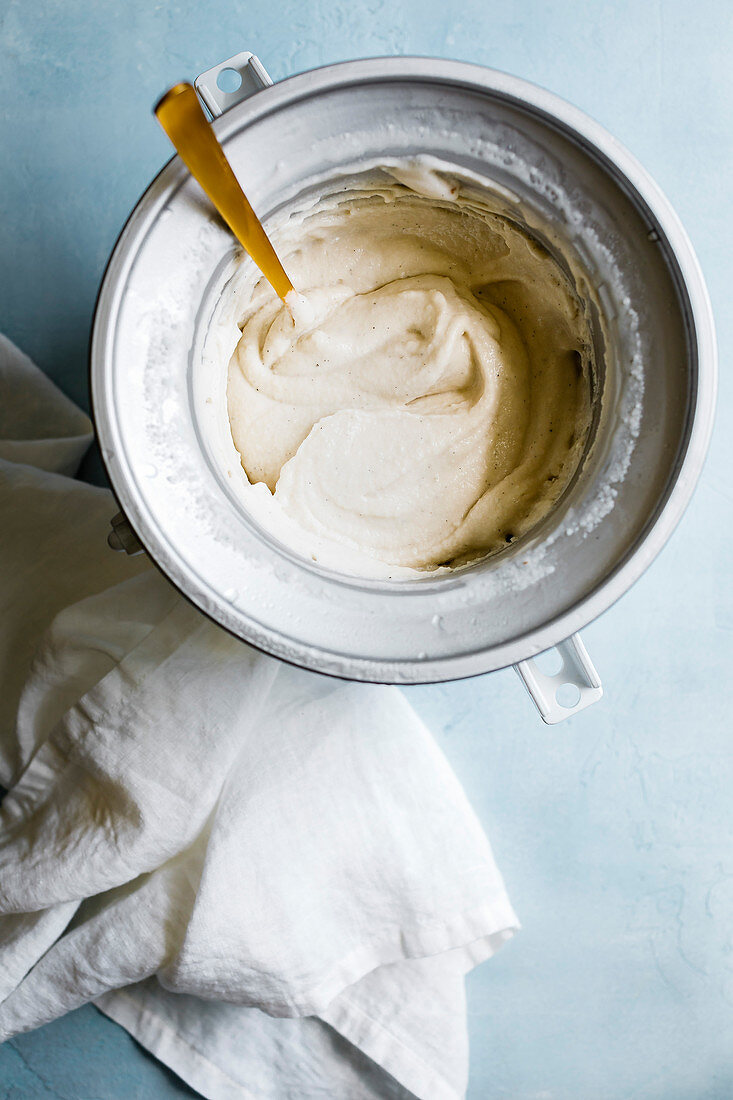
point(253, 74)
point(576, 671)
point(122, 537)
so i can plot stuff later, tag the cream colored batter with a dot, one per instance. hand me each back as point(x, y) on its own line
point(432, 402)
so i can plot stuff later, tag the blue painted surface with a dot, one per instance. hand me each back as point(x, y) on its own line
point(84, 1057)
point(615, 830)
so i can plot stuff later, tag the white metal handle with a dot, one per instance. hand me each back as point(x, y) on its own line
point(577, 671)
point(252, 72)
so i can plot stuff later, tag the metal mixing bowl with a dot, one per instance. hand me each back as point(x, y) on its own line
point(587, 197)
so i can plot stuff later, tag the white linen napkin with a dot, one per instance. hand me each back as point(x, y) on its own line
point(270, 878)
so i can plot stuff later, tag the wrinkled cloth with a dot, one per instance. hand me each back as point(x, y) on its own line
point(270, 878)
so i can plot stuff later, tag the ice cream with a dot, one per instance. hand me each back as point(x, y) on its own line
point(432, 401)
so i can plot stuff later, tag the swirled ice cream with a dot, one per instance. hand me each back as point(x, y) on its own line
point(432, 402)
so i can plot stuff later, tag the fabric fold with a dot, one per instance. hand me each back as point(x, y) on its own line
point(271, 878)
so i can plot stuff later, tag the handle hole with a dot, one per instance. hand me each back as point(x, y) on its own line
point(229, 80)
point(568, 695)
point(549, 662)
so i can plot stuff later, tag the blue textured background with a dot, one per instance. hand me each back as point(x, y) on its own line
point(615, 830)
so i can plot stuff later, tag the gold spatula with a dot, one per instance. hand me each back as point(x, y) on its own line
point(182, 117)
